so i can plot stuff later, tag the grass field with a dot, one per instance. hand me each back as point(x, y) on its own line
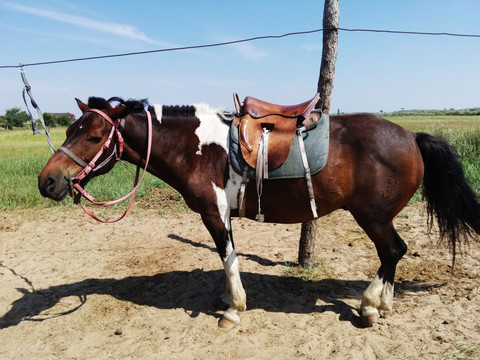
point(425, 122)
point(462, 132)
point(22, 156)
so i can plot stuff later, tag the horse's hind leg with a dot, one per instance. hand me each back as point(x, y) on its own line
point(378, 297)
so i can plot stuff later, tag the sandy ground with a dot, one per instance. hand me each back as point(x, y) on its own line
point(148, 287)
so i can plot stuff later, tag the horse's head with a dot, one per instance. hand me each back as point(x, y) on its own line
point(91, 143)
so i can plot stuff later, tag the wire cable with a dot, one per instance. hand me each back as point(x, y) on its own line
point(237, 42)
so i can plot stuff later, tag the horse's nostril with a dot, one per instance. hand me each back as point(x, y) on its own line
point(50, 181)
point(46, 185)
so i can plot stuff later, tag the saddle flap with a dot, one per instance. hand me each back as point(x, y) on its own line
point(280, 121)
point(281, 134)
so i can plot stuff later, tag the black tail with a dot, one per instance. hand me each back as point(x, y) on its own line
point(448, 195)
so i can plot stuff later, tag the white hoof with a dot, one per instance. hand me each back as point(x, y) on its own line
point(369, 316)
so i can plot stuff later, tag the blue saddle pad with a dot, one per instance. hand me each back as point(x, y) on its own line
point(316, 144)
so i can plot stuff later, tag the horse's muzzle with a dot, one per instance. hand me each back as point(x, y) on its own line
point(55, 187)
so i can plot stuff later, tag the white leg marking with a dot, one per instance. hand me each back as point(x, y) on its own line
point(386, 299)
point(371, 298)
point(238, 298)
point(234, 295)
point(377, 297)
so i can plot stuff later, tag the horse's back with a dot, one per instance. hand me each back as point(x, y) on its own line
point(369, 131)
point(367, 136)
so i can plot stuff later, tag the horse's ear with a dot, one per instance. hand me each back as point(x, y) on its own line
point(81, 105)
point(116, 112)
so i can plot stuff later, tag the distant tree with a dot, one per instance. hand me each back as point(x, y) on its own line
point(14, 118)
point(49, 120)
point(64, 120)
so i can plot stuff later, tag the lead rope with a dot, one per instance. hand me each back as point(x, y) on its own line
point(27, 90)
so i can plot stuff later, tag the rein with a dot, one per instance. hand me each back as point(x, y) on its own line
point(92, 167)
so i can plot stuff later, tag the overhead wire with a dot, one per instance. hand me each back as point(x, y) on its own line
point(181, 48)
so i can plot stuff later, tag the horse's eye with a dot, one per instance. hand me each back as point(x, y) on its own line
point(94, 139)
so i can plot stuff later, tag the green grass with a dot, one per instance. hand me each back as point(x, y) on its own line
point(317, 273)
point(462, 132)
point(418, 122)
point(22, 157)
point(462, 352)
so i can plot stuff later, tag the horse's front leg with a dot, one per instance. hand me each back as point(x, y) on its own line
point(234, 295)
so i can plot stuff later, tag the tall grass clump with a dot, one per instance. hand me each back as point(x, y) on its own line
point(466, 142)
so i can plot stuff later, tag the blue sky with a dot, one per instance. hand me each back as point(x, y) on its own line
point(374, 71)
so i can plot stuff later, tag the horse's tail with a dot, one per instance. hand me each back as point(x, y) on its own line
point(448, 195)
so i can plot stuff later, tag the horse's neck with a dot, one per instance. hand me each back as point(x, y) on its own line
point(175, 145)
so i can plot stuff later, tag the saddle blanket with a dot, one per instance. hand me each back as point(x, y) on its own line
point(316, 143)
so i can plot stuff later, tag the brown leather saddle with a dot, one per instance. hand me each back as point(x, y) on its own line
point(256, 119)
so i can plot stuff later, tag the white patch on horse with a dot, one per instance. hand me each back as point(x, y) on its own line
point(158, 112)
point(222, 204)
point(233, 187)
point(211, 129)
point(227, 198)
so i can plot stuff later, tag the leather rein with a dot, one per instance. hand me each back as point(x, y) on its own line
point(92, 167)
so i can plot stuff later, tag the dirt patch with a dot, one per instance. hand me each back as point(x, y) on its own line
point(148, 287)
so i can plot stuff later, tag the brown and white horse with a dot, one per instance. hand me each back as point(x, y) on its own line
point(374, 168)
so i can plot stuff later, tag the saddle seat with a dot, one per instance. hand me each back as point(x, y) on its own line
point(259, 108)
point(260, 121)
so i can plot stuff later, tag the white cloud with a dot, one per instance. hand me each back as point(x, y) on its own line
point(250, 51)
point(314, 47)
point(125, 31)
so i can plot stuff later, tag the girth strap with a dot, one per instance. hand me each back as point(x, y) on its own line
point(308, 176)
point(262, 170)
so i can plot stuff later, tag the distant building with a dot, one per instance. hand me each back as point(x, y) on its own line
point(57, 115)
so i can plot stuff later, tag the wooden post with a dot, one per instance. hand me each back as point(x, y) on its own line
point(331, 14)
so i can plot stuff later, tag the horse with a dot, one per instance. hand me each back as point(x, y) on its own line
point(373, 169)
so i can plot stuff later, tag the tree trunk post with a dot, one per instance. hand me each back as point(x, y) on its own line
point(331, 15)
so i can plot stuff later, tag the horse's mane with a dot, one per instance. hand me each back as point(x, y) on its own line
point(176, 110)
point(139, 106)
point(133, 106)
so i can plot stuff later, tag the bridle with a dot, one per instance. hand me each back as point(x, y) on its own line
point(91, 167)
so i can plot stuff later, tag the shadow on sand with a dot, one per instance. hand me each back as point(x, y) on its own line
point(199, 291)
